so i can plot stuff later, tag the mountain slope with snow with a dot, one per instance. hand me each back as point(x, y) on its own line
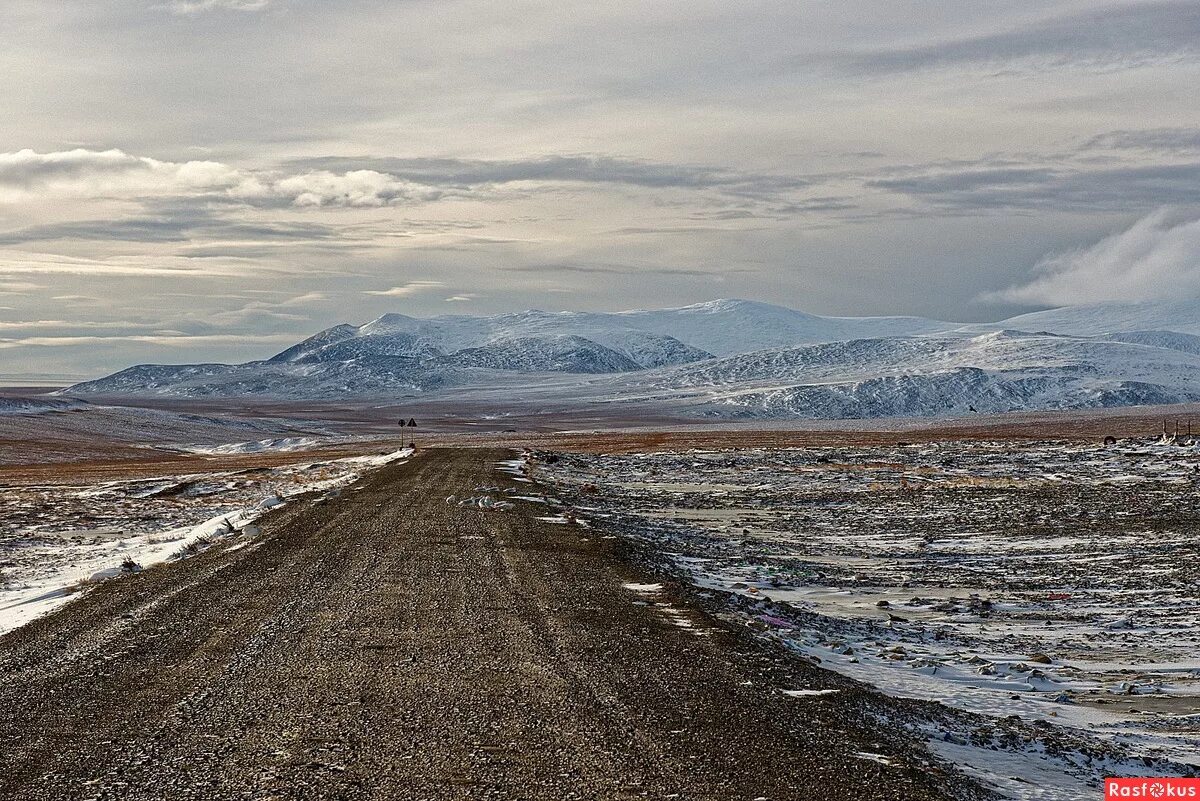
point(936, 375)
point(727, 327)
point(547, 354)
point(724, 359)
point(1171, 340)
point(29, 406)
point(1182, 316)
point(396, 352)
point(661, 336)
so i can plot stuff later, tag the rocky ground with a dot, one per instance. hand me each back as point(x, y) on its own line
point(427, 633)
point(1042, 592)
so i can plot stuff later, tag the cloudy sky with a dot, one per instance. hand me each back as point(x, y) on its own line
point(185, 180)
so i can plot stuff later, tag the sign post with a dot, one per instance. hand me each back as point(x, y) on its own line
point(411, 423)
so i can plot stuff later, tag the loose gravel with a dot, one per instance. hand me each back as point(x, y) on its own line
point(391, 644)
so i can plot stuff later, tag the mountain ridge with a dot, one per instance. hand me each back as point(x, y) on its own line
point(762, 360)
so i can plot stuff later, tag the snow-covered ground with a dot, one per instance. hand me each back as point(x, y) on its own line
point(1053, 582)
point(277, 444)
point(32, 406)
point(39, 429)
point(55, 541)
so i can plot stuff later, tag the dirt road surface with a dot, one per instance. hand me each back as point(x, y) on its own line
point(389, 644)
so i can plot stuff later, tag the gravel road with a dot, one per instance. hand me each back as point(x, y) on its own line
point(388, 644)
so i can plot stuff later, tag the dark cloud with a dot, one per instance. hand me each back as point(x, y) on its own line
point(609, 269)
point(680, 230)
point(1114, 36)
point(27, 168)
point(195, 224)
point(293, 231)
point(130, 230)
point(571, 169)
point(1169, 140)
point(1125, 188)
point(964, 181)
point(225, 251)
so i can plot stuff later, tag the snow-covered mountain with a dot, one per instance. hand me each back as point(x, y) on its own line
point(520, 347)
point(1171, 340)
point(727, 327)
point(652, 338)
point(727, 358)
point(546, 354)
point(1182, 316)
point(398, 352)
point(945, 374)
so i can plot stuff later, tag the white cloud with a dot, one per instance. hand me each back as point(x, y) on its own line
point(411, 288)
point(306, 298)
point(465, 297)
point(354, 188)
point(18, 287)
point(85, 173)
point(1157, 258)
point(175, 341)
point(79, 299)
point(13, 262)
point(60, 324)
point(26, 173)
point(200, 6)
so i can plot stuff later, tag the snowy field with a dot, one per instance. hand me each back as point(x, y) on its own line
point(56, 541)
point(40, 430)
point(1047, 593)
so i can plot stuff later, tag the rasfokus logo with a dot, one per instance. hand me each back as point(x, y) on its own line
point(1165, 788)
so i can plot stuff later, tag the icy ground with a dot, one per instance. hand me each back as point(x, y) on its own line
point(57, 540)
point(1046, 592)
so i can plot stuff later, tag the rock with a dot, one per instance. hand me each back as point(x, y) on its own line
point(1041, 659)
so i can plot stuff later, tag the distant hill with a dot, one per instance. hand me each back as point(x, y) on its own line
point(650, 337)
point(1182, 316)
point(725, 359)
point(942, 375)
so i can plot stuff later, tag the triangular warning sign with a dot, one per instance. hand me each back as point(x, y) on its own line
point(412, 423)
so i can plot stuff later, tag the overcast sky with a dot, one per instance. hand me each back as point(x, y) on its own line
point(188, 180)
